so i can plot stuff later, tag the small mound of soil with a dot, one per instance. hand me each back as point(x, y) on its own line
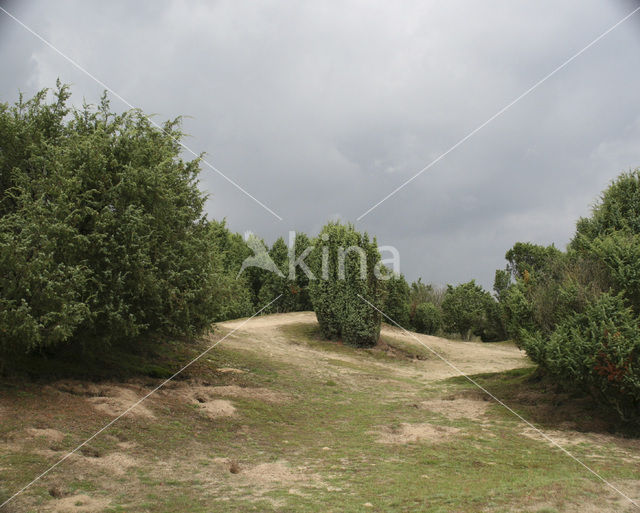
point(277, 472)
point(115, 400)
point(217, 408)
point(52, 435)
point(457, 408)
point(230, 370)
point(78, 504)
point(411, 433)
point(262, 394)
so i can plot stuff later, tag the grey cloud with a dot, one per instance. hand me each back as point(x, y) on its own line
point(323, 108)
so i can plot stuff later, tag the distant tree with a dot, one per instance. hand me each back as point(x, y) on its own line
point(299, 286)
point(501, 283)
point(396, 304)
point(274, 285)
point(343, 262)
point(524, 258)
point(428, 319)
point(464, 309)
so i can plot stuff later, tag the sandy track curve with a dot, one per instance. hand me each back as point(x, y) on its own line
point(264, 335)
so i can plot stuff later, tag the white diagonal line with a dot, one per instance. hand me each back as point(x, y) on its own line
point(136, 404)
point(123, 100)
point(544, 435)
point(500, 112)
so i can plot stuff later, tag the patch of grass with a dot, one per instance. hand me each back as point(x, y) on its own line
point(327, 433)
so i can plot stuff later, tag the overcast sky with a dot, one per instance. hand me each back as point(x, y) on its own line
point(320, 109)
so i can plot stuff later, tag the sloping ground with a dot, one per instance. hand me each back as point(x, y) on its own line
point(270, 335)
point(276, 419)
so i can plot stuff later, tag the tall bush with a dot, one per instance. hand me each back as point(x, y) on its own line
point(576, 313)
point(428, 319)
point(396, 304)
point(102, 237)
point(342, 274)
point(464, 309)
point(598, 350)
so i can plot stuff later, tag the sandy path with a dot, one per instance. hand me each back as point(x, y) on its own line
point(264, 335)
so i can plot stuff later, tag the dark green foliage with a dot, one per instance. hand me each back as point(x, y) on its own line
point(273, 285)
point(576, 313)
point(619, 253)
point(526, 258)
point(618, 210)
point(464, 309)
point(102, 238)
point(234, 292)
point(292, 285)
point(335, 292)
point(299, 285)
point(493, 329)
point(427, 319)
point(396, 304)
point(596, 349)
point(501, 283)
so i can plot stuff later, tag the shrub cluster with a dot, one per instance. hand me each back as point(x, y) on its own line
point(344, 262)
point(576, 312)
point(102, 237)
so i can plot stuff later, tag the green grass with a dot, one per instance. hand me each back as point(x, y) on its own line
point(487, 466)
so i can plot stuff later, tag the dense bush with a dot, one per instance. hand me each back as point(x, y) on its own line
point(596, 349)
point(396, 304)
point(576, 313)
point(464, 309)
point(335, 292)
point(293, 290)
point(617, 210)
point(102, 237)
point(427, 319)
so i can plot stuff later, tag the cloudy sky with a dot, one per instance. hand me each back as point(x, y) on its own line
point(321, 109)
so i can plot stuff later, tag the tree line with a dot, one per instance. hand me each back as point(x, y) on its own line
point(103, 242)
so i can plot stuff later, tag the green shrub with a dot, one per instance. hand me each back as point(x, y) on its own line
point(464, 309)
point(336, 289)
point(619, 254)
point(576, 313)
point(102, 237)
point(617, 210)
point(599, 350)
point(396, 304)
point(428, 319)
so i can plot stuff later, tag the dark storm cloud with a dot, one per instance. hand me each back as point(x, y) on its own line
point(321, 109)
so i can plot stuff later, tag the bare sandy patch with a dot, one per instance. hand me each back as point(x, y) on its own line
point(262, 394)
point(116, 463)
point(410, 433)
point(203, 399)
point(230, 370)
point(277, 472)
point(113, 400)
point(216, 408)
point(77, 504)
point(456, 408)
point(569, 437)
point(53, 435)
point(208, 398)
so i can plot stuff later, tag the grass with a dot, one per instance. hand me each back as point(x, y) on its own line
point(325, 435)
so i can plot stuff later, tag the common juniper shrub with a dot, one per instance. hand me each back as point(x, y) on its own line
point(102, 236)
point(342, 278)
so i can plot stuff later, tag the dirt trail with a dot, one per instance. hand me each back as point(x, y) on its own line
point(264, 335)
